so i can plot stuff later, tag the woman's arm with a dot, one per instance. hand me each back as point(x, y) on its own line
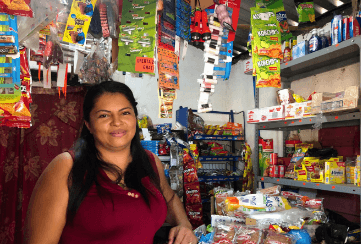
point(46, 216)
point(182, 232)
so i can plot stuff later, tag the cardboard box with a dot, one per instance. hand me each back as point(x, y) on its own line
point(335, 172)
point(294, 111)
point(301, 174)
point(275, 113)
point(307, 109)
point(253, 116)
point(285, 97)
point(334, 102)
point(357, 172)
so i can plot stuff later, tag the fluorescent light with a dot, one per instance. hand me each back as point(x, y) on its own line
point(337, 3)
point(320, 9)
point(292, 22)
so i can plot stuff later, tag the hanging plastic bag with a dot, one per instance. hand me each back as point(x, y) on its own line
point(306, 11)
point(53, 53)
point(95, 68)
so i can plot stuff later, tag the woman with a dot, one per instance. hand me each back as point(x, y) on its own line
point(109, 189)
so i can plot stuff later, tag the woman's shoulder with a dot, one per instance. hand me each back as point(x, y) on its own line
point(61, 164)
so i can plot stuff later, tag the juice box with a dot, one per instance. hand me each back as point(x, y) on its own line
point(335, 172)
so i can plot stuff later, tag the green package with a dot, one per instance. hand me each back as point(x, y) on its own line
point(264, 160)
point(278, 7)
point(268, 71)
point(137, 34)
point(267, 41)
point(306, 11)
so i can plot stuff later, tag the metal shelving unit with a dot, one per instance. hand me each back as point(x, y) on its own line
point(218, 138)
point(340, 55)
point(219, 158)
point(218, 178)
point(182, 118)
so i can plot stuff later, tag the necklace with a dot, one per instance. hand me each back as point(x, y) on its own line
point(122, 185)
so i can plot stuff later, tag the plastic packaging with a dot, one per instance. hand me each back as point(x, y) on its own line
point(306, 11)
point(16, 7)
point(271, 191)
point(248, 235)
point(95, 68)
point(53, 53)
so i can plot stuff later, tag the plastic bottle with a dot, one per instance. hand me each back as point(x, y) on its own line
point(287, 54)
point(324, 39)
point(314, 42)
point(336, 29)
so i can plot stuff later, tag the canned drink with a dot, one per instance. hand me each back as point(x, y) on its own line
point(281, 171)
point(273, 158)
point(273, 172)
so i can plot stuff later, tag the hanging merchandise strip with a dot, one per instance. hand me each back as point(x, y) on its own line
point(137, 35)
point(266, 49)
point(10, 83)
point(78, 22)
point(278, 7)
point(18, 114)
point(217, 56)
point(165, 40)
point(166, 99)
point(183, 19)
point(168, 69)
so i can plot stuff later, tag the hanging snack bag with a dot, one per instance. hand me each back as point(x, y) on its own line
point(195, 214)
point(266, 48)
point(193, 194)
point(79, 20)
point(278, 7)
point(16, 7)
point(190, 172)
point(306, 11)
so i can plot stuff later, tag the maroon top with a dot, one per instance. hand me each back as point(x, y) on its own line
point(131, 220)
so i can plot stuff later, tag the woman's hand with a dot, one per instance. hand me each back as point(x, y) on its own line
point(182, 235)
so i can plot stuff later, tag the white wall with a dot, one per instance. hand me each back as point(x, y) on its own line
point(145, 90)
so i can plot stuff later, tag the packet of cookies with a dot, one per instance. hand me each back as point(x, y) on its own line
point(248, 235)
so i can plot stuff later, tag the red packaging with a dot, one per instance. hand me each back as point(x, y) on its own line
point(281, 171)
point(16, 7)
point(274, 159)
point(190, 172)
point(193, 194)
point(273, 172)
point(195, 214)
point(346, 29)
point(267, 145)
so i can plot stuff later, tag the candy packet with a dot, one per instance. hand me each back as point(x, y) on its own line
point(16, 7)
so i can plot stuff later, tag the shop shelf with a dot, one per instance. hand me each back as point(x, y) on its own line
point(342, 188)
point(219, 158)
point(332, 120)
point(218, 138)
point(218, 178)
point(346, 51)
point(164, 158)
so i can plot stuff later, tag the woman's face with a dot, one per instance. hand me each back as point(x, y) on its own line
point(112, 122)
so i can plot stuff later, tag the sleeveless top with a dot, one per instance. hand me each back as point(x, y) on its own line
point(129, 221)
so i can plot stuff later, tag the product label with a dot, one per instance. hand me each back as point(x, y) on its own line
point(313, 44)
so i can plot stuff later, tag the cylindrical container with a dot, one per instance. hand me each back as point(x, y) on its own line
point(273, 158)
point(281, 171)
point(273, 172)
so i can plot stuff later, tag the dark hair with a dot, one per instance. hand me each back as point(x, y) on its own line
point(88, 161)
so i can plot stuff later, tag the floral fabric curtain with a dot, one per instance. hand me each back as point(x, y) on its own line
point(25, 153)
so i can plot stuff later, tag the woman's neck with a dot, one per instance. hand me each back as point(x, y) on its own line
point(120, 158)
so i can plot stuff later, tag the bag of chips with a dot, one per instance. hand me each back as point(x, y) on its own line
point(195, 214)
point(190, 172)
point(306, 11)
point(193, 194)
point(16, 7)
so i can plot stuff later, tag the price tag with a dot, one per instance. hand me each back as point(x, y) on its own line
point(144, 65)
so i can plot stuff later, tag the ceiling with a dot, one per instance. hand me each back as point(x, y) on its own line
point(323, 9)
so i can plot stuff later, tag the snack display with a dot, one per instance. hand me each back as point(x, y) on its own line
point(78, 22)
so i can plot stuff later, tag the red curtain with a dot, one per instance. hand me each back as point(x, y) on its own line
point(25, 153)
